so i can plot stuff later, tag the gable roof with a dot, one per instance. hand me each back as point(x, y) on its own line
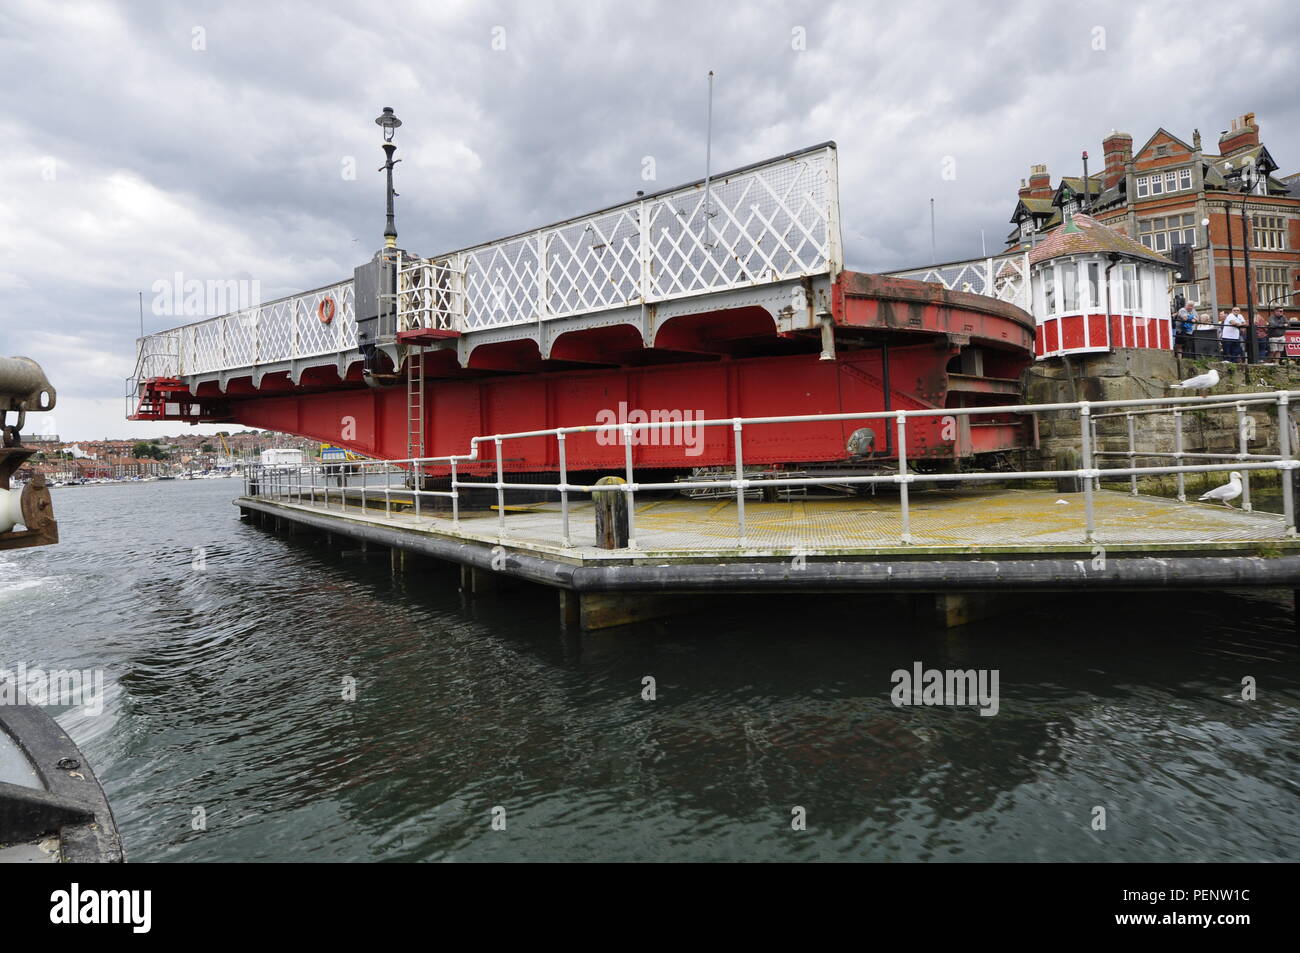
point(1091, 237)
point(1033, 206)
point(1075, 184)
point(1162, 131)
point(1225, 165)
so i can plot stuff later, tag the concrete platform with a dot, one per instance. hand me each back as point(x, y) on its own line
point(949, 523)
point(971, 548)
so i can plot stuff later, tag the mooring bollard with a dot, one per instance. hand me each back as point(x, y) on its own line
point(611, 514)
point(1068, 459)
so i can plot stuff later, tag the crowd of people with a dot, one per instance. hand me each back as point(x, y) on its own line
point(1233, 333)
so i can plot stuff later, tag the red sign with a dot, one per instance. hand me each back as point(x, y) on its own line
point(1293, 343)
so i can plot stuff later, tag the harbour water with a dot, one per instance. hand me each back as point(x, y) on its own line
point(227, 652)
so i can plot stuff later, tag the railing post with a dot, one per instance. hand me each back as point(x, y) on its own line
point(1132, 479)
point(1284, 451)
point(501, 493)
point(737, 427)
point(455, 496)
point(1085, 428)
point(631, 496)
point(1096, 443)
point(564, 489)
point(419, 485)
point(643, 253)
point(542, 267)
point(1243, 454)
point(1178, 455)
point(906, 533)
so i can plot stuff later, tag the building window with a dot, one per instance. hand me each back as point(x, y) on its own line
point(1268, 231)
point(1270, 284)
point(1191, 293)
point(1158, 183)
point(1162, 234)
point(1131, 288)
point(1069, 287)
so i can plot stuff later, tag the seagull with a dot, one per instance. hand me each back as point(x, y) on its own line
point(1229, 491)
point(1200, 381)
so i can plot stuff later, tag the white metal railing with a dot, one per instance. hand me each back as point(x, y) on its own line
point(1004, 277)
point(772, 221)
point(156, 356)
point(309, 485)
point(317, 322)
point(430, 295)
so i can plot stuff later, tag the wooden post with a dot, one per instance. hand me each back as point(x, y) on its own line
point(611, 514)
point(1068, 459)
point(570, 609)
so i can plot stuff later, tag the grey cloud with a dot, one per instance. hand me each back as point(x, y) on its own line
point(225, 162)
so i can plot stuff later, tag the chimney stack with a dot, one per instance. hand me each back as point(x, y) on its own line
point(1039, 186)
point(1244, 134)
point(1117, 148)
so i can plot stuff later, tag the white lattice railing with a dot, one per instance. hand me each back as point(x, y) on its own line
point(1005, 278)
point(430, 295)
point(772, 221)
point(279, 330)
point(768, 222)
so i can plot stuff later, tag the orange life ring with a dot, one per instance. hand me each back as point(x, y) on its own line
point(325, 310)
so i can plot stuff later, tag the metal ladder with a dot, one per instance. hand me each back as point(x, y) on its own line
point(414, 401)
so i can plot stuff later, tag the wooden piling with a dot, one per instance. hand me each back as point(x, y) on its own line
point(611, 514)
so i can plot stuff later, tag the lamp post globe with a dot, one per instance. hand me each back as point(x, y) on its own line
point(389, 122)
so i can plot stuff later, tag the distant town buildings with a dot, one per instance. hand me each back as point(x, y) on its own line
point(1164, 194)
point(116, 459)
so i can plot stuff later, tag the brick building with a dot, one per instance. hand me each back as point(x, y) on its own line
point(1162, 193)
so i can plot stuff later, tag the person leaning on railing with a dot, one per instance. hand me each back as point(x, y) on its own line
point(1231, 333)
point(1184, 328)
point(1277, 324)
point(1261, 337)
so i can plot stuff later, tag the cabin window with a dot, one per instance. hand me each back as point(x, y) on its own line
point(1129, 283)
point(1093, 290)
point(1069, 287)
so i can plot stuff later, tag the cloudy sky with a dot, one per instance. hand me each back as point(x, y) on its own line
point(216, 139)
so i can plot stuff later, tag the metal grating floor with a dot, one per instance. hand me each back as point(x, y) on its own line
point(954, 520)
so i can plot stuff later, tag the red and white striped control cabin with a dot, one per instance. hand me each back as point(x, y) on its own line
point(1095, 289)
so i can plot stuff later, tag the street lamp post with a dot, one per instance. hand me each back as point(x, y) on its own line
point(389, 121)
point(1210, 267)
point(1249, 179)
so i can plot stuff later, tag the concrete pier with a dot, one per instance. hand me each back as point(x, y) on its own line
point(972, 551)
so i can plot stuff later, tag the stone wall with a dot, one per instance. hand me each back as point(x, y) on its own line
point(1131, 374)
